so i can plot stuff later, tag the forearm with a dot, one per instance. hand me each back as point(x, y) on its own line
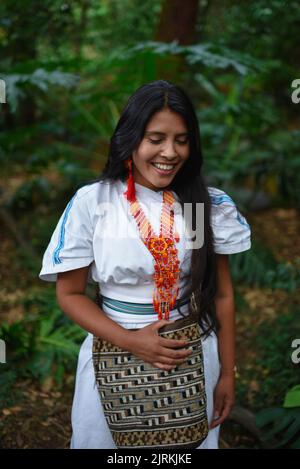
point(226, 334)
point(90, 317)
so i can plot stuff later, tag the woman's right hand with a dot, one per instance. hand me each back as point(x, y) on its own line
point(163, 353)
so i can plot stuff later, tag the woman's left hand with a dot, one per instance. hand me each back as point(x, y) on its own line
point(224, 395)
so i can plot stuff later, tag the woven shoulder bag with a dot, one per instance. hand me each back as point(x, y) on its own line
point(146, 407)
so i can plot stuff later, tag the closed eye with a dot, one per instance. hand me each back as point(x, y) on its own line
point(157, 142)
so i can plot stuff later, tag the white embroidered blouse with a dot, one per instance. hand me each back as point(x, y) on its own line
point(97, 229)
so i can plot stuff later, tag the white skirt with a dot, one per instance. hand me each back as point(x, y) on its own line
point(89, 426)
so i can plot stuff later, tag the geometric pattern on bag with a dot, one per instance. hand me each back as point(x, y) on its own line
point(147, 407)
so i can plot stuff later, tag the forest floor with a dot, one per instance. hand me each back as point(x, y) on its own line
point(40, 414)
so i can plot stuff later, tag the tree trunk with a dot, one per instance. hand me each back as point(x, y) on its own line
point(178, 21)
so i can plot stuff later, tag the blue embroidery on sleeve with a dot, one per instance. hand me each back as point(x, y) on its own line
point(219, 199)
point(242, 220)
point(61, 239)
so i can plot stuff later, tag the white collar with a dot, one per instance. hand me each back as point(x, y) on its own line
point(143, 191)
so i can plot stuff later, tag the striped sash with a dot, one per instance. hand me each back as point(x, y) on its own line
point(136, 308)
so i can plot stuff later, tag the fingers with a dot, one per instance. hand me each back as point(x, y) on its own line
point(162, 366)
point(168, 358)
point(158, 324)
point(218, 407)
point(165, 366)
point(170, 361)
point(174, 355)
point(221, 412)
point(172, 343)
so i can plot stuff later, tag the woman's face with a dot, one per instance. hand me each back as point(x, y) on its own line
point(162, 152)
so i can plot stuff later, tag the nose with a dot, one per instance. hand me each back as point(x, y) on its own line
point(168, 151)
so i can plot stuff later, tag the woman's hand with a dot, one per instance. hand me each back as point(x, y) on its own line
point(224, 395)
point(163, 353)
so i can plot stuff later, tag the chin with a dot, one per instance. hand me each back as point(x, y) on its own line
point(161, 183)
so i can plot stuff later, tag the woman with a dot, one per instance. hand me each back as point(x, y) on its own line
point(154, 170)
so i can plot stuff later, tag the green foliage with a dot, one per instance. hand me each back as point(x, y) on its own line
point(235, 86)
point(292, 397)
point(8, 394)
point(210, 55)
point(45, 343)
point(271, 366)
point(280, 426)
point(41, 79)
point(258, 267)
point(69, 70)
point(249, 128)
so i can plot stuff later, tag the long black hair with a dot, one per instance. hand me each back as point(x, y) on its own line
point(188, 183)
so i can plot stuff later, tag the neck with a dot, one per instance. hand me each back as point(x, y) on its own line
point(139, 179)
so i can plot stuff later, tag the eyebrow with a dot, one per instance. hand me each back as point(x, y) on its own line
point(156, 132)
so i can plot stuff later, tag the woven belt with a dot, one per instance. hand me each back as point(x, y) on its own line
point(136, 308)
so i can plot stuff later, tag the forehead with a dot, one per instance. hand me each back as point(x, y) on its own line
point(166, 121)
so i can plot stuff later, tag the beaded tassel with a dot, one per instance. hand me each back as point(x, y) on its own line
point(130, 193)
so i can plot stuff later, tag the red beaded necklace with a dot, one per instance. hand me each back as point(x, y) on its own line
point(163, 250)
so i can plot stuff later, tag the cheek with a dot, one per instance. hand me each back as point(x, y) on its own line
point(145, 159)
point(145, 154)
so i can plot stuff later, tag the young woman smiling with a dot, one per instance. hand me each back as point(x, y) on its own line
point(157, 366)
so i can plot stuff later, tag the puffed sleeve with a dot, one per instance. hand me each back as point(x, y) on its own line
point(71, 244)
point(231, 231)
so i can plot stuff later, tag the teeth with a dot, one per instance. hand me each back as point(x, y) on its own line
point(164, 166)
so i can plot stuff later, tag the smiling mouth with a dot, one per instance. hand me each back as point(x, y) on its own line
point(163, 167)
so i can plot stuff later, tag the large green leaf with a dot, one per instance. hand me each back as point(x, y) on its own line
point(40, 78)
point(267, 416)
point(292, 397)
point(292, 431)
